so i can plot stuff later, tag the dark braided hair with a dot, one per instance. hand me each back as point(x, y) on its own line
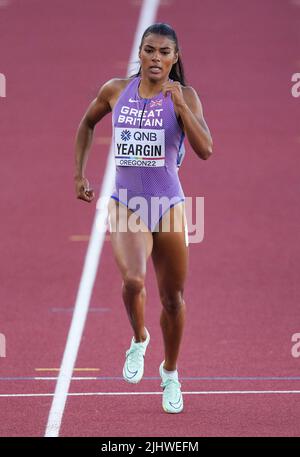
point(160, 28)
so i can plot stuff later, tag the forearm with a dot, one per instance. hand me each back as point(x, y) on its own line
point(199, 138)
point(83, 143)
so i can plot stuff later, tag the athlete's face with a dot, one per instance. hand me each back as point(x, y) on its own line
point(157, 55)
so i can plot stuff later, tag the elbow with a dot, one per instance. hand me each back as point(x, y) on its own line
point(207, 154)
point(86, 123)
point(207, 151)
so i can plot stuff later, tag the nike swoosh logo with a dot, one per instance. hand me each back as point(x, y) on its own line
point(131, 372)
point(173, 404)
point(131, 100)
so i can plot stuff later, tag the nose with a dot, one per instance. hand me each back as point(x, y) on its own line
point(155, 56)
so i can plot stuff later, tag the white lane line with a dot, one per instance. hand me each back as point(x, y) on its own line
point(146, 378)
point(117, 394)
point(2, 84)
point(147, 17)
point(4, 3)
point(54, 378)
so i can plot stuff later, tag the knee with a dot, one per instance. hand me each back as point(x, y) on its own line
point(133, 283)
point(172, 301)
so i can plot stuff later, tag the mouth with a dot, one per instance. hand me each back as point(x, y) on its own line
point(155, 69)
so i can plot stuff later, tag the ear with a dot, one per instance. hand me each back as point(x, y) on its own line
point(176, 58)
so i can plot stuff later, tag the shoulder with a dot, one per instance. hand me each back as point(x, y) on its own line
point(192, 100)
point(111, 89)
point(190, 96)
point(114, 84)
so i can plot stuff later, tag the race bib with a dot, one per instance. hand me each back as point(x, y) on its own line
point(139, 147)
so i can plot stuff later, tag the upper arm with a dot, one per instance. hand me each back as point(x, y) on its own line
point(193, 101)
point(101, 105)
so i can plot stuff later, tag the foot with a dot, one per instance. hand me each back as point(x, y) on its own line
point(172, 401)
point(134, 364)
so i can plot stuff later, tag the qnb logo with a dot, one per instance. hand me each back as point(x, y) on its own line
point(2, 345)
point(145, 136)
point(2, 85)
point(125, 135)
point(296, 87)
point(296, 347)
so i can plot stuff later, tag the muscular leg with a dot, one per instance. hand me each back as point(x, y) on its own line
point(170, 259)
point(131, 251)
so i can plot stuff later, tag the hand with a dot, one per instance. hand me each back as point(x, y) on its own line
point(83, 190)
point(176, 92)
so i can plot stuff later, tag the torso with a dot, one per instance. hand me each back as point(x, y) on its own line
point(148, 146)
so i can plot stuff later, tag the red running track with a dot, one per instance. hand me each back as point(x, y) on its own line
point(243, 291)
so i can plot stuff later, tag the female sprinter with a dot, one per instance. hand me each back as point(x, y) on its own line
point(152, 112)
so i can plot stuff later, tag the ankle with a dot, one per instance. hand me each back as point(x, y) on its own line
point(169, 368)
point(140, 337)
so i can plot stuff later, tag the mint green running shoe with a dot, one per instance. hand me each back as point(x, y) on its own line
point(133, 369)
point(172, 400)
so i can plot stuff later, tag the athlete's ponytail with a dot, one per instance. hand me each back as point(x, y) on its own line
point(160, 28)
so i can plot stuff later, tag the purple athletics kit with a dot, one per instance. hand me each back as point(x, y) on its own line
point(148, 149)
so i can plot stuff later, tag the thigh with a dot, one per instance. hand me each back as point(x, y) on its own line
point(131, 249)
point(170, 252)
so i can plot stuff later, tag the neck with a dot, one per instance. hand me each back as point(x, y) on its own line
point(149, 88)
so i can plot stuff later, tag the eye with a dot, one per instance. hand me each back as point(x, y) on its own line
point(148, 51)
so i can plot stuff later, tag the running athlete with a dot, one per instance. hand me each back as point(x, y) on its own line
point(152, 112)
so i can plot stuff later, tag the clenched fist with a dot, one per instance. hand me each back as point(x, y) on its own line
point(83, 190)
